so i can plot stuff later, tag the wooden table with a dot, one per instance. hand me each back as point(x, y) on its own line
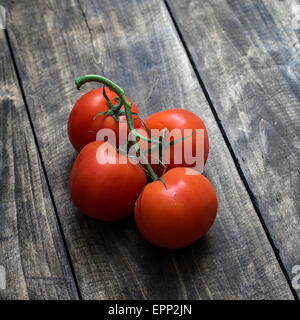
point(235, 63)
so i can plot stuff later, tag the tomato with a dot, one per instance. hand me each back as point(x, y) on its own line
point(101, 186)
point(176, 216)
point(82, 128)
point(178, 119)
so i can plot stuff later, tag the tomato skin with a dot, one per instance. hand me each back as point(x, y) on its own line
point(81, 117)
point(105, 191)
point(179, 215)
point(178, 119)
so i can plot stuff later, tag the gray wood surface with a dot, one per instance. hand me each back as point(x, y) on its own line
point(135, 44)
point(248, 56)
point(31, 248)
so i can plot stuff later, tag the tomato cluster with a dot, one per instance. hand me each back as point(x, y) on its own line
point(108, 182)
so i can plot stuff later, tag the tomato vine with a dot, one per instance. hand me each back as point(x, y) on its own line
point(114, 110)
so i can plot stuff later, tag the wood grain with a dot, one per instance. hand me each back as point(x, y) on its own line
point(135, 44)
point(31, 248)
point(248, 55)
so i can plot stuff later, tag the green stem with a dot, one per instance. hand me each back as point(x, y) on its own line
point(127, 106)
point(116, 108)
point(120, 92)
point(93, 77)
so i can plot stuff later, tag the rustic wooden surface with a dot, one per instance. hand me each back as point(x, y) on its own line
point(135, 44)
point(31, 248)
point(247, 55)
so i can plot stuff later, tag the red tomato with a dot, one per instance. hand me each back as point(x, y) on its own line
point(179, 119)
point(81, 121)
point(101, 186)
point(179, 215)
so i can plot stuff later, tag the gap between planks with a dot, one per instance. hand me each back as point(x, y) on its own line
point(42, 164)
point(234, 158)
point(224, 149)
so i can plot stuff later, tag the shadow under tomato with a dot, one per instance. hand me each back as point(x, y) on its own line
point(161, 273)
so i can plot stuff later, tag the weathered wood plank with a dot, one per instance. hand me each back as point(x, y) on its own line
point(31, 248)
point(247, 54)
point(135, 44)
